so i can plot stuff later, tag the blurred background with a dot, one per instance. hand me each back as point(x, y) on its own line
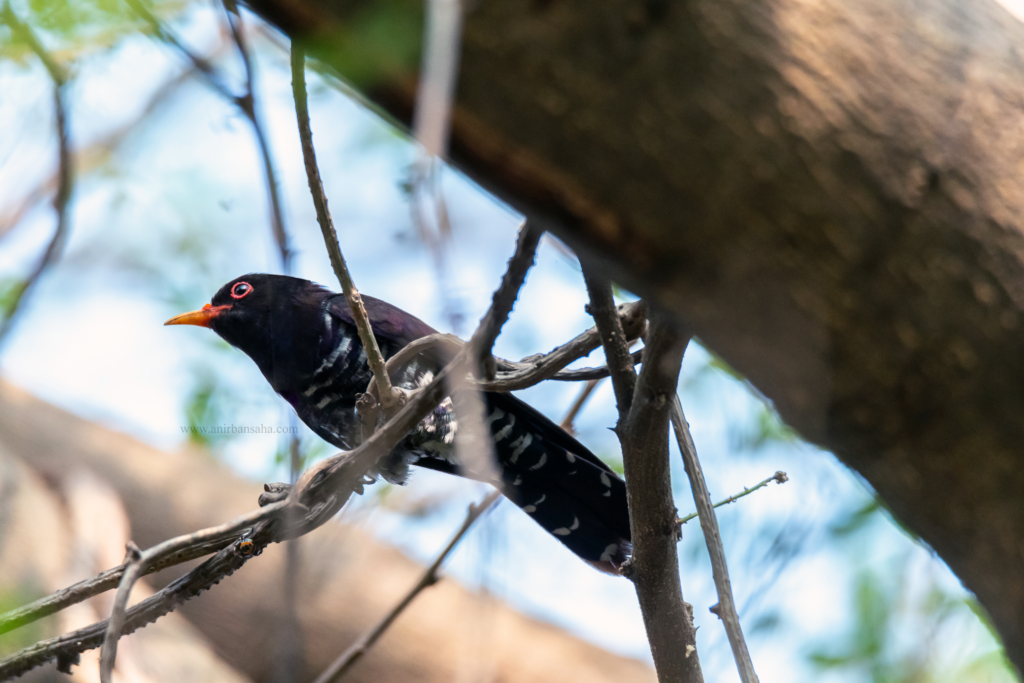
point(170, 202)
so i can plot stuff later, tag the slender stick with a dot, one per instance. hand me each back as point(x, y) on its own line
point(65, 172)
point(780, 477)
point(654, 567)
point(357, 650)
point(577, 405)
point(709, 524)
point(323, 216)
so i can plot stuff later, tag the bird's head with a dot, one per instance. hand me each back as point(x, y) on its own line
point(259, 314)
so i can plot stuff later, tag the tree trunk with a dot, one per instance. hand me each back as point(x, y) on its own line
point(827, 193)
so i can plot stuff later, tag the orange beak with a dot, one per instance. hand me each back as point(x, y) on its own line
point(201, 318)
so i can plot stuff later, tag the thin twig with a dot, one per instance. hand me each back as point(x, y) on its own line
point(780, 477)
point(505, 297)
point(247, 103)
point(616, 350)
point(374, 357)
point(709, 524)
point(65, 172)
point(356, 651)
point(654, 566)
point(570, 417)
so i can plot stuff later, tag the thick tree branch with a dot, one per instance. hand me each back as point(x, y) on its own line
point(709, 525)
point(654, 567)
point(355, 652)
point(616, 348)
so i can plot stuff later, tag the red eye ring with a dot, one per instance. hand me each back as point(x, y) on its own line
point(240, 289)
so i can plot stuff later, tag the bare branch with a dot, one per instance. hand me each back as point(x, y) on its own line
point(247, 103)
point(616, 350)
point(356, 651)
point(654, 567)
point(323, 216)
point(780, 477)
point(319, 493)
point(505, 297)
point(65, 172)
point(709, 524)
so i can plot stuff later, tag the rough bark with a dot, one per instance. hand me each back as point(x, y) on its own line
point(827, 193)
point(349, 581)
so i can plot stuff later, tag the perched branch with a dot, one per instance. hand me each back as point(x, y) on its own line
point(613, 338)
point(319, 493)
point(374, 357)
point(505, 297)
point(654, 567)
point(780, 477)
point(356, 651)
point(65, 172)
point(709, 524)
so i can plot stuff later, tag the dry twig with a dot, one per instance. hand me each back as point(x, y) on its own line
point(355, 652)
point(709, 524)
point(577, 405)
point(388, 397)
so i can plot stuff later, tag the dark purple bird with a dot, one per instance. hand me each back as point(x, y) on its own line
point(304, 341)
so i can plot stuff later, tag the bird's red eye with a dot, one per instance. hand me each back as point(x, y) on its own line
point(240, 289)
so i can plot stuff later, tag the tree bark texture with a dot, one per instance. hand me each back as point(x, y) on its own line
point(827, 193)
point(348, 581)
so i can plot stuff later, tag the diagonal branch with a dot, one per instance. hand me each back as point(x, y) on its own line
point(355, 652)
point(709, 525)
point(65, 172)
point(505, 297)
point(374, 357)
